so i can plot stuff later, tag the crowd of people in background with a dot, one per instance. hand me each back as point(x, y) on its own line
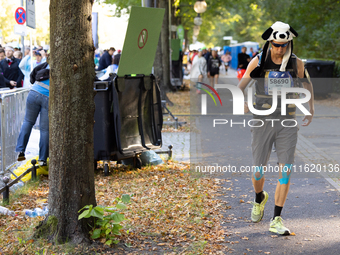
point(15, 67)
point(207, 63)
point(107, 58)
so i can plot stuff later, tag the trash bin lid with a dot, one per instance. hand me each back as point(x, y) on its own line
point(315, 62)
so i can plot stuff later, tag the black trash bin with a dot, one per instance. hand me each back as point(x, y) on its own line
point(140, 113)
point(321, 73)
point(128, 118)
point(103, 121)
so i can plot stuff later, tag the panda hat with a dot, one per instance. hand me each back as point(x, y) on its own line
point(280, 32)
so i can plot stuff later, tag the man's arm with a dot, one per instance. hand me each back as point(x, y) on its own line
point(309, 87)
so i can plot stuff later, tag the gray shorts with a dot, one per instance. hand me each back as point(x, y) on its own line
point(262, 139)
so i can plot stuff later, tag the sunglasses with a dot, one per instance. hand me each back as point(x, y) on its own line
point(280, 45)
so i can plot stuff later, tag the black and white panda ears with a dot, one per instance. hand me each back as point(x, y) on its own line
point(293, 31)
point(267, 33)
point(279, 31)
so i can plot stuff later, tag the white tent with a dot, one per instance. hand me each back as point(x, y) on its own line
point(196, 46)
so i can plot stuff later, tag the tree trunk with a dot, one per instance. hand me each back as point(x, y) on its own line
point(158, 68)
point(158, 63)
point(186, 47)
point(71, 115)
point(165, 48)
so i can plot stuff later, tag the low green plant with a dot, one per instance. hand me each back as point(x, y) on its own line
point(106, 219)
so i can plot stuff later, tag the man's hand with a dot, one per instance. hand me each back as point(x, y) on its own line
point(43, 53)
point(307, 119)
point(13, 83)
point(208, 74)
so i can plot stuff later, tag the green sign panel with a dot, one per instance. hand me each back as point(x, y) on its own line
point(175, 48)
point(180, 32)
point(141, 41)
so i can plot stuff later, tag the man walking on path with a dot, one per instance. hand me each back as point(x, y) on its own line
point(276, 67)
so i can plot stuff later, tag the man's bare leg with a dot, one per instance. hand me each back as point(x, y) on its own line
point(282, 186)
point(211, 81)
point(216, 78)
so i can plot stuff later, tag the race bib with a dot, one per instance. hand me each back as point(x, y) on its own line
point(275, 79)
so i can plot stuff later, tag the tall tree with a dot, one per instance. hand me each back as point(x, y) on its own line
point(158, 64)
point(165, 50)
point(71, 116)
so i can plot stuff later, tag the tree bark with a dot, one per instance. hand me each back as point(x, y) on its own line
point(158, 63)
point(165, 49)
point(158, 68)
point(71, 116)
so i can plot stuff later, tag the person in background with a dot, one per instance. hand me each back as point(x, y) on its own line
point(39, 58)
point(25, 67)
point(27, 51)
point(243, 61)
point(106, 59)
point(214, 68)
point(198, 69)
point(17, 54)
point(36, 103)
point(185, 61)
point(2, 54)
point(194, 54)
point(116, 58)
point(207, 54)
point(10, 68)
point(226, 58)
point(96, 61)
point(252, 53)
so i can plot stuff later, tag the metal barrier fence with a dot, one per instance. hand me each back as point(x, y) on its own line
point(12, 110)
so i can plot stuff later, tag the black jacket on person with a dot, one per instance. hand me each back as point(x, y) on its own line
point(116, 59)
point(243, 60)
point(104, 61)
point(2, 80)
point(12, 72)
